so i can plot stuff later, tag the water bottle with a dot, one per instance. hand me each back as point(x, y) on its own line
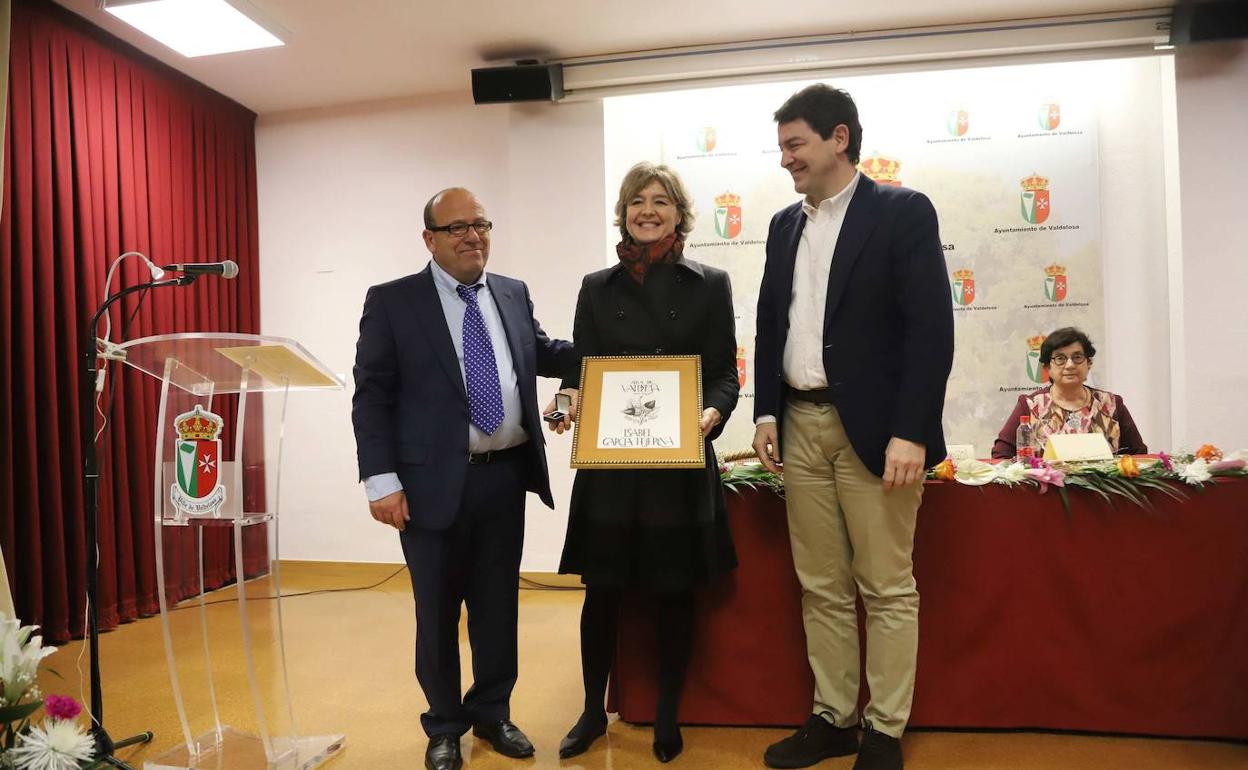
point(1024, 444)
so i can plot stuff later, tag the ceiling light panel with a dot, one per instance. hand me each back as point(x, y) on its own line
point(196, 27)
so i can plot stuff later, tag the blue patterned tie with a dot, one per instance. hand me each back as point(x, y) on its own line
point(485, 397)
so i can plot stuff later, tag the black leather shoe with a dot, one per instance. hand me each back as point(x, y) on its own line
point(506, 738)
point(814, 742)
point(878, 752)
point(443, 753)
point(587, 729)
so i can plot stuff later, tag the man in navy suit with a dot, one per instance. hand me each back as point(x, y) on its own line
point(854, 346)
point(449, 440)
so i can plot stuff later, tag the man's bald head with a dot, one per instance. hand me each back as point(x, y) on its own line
point(430, 217)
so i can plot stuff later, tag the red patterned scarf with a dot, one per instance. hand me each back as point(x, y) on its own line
point(638, 257)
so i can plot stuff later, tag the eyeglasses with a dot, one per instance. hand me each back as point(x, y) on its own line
point(1061, 358)
point(460, 229)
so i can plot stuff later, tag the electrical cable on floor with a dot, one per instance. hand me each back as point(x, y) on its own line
point(527, 584)
point(344, 589)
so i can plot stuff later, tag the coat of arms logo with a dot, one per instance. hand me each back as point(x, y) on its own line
point(1035, 199)
point(1055, 283)
point(706, 139)
point(728, 215)
point(1036, 371)
point(963, 286)
point(882, 170)
point(1049, 116)
point(198, 490)
point(957, 122)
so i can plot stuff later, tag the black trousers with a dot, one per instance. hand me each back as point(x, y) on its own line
point(476, 562)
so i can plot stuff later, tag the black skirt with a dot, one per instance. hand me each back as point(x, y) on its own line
point(655, 529)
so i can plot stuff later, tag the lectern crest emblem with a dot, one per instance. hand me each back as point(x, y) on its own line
point(198, 490)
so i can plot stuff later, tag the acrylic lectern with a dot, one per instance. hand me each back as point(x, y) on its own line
point(196, 488)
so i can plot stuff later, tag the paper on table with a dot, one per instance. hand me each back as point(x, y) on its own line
point(1074, 447)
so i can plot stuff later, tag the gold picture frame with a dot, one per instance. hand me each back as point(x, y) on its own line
point(639, 412)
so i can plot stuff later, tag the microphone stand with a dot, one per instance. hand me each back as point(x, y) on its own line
point(105, 746)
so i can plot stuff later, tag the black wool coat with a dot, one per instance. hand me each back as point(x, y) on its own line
point(656, 528)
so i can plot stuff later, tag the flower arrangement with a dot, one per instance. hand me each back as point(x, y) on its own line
point(1126, 477)
point(56, 743)
point(736, 476)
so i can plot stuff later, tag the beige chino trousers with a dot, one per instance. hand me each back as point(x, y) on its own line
point(851, 538)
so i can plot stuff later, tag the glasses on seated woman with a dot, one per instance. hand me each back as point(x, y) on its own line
point(1075, 358)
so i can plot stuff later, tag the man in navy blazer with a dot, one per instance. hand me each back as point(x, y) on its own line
point(854, 346)
point(449, 440)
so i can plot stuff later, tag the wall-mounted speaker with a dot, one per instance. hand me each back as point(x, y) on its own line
point(521, 83)
point(1197, 22)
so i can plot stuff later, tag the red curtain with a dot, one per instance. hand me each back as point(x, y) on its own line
point(107, 151)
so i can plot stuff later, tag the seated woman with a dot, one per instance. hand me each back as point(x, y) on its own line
point(1066, 405)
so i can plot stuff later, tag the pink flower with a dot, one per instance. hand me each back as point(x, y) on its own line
point(1166, 462)
point(61, 707)
point(1046, 476)
point(1226, 465)
point(1036, 462)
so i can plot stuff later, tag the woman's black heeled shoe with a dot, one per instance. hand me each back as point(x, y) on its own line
point(582, 735)
point(668, 749)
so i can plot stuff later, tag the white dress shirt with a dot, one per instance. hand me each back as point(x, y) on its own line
point(803, 351)
point(510, 433)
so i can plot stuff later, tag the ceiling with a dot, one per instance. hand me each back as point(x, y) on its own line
point(344, 51)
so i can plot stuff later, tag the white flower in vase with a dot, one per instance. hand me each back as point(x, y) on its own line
point(57, 744)
point(1195, 473)
point(20, 655)
point(1010, 473)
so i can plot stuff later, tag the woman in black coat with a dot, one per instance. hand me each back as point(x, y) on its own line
point(662, 531)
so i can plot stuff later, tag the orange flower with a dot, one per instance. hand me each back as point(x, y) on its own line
point(944, 471)
point(1209, 453)
point(1127, 466)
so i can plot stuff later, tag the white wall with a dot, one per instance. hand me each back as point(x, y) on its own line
point(340, 195)
point(1211, 84)
point(1132, 359)
point(341, 192)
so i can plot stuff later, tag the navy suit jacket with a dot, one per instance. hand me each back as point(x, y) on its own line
point(888, 322)
point(410, 409)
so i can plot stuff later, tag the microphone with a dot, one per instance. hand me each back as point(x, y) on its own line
point(227, 269)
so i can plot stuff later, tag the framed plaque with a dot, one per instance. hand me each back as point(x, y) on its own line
point(639, 412)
